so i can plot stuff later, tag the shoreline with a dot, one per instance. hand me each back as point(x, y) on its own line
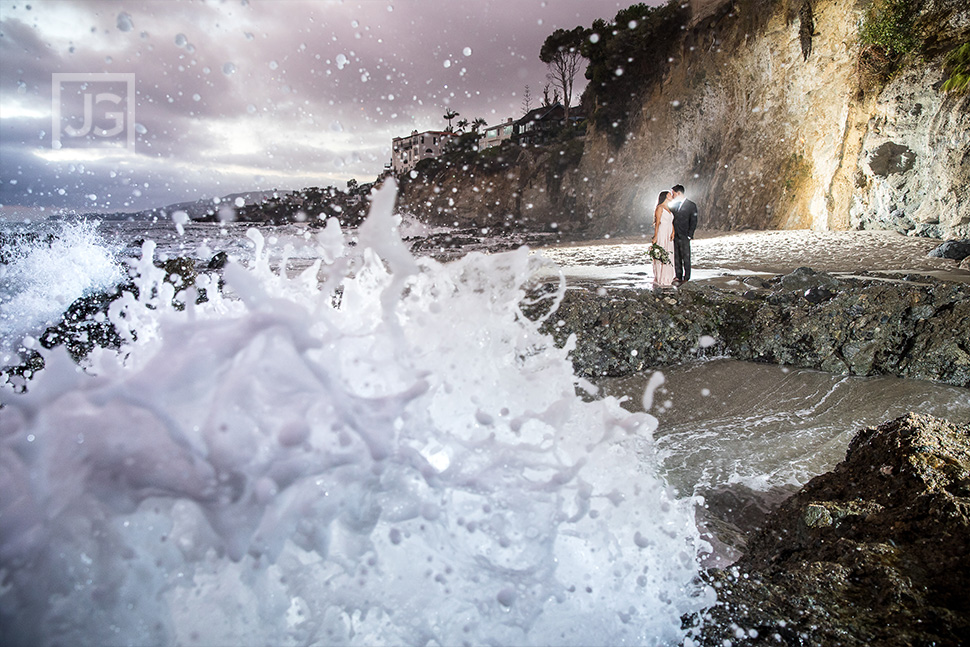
point(719, 257)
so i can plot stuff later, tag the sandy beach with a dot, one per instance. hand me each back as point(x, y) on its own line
point(720, 257)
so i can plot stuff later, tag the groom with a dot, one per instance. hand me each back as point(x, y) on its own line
point(685, 222)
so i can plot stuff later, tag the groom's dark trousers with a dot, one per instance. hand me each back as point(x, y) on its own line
point(685, 223)
point(682, 257)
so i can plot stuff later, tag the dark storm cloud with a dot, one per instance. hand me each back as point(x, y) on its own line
point(280, 92)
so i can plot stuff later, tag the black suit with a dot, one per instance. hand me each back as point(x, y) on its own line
point(685, 223)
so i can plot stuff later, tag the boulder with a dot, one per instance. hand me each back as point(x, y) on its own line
point(956, 250)
point(875, 552)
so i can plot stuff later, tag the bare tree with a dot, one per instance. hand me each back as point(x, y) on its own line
point(561, 53)
point(546, 101)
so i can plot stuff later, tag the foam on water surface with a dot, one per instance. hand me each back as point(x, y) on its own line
point(380, 450)
point(41, 279)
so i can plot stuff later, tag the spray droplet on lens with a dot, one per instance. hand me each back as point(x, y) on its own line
point(506, 597)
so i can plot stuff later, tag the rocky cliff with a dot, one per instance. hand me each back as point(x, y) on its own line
point(765, 113)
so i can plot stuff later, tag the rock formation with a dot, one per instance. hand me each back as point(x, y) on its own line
point(764, 113)
point(855, 326)
point(875, 552)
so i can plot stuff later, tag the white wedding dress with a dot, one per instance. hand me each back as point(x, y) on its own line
point(663, 273)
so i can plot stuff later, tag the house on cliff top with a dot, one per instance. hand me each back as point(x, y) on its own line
point(536, 127)
point(406, 152)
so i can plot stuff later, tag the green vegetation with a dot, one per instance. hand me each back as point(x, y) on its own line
point(958, 67)
point(888, 34)
point(626, 56)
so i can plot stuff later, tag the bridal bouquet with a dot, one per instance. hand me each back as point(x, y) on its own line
point(658, 253)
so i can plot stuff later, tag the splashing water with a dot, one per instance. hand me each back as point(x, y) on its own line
point(381, 450)
point(41, 279)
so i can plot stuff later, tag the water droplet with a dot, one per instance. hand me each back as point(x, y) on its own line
point(124, 22)
point(181, 40)
point(594, 38)
point(273, 65)
point(447, 63)
point(228, 68)
point(467, 51)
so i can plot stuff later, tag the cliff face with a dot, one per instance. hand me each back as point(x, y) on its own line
point(511, 187)
point(760, 115)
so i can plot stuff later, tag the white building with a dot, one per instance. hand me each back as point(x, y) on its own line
point(495, 135)
point(406, 152)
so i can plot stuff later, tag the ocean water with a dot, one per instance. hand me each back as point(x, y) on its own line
point(350, 444)
point(359, 447)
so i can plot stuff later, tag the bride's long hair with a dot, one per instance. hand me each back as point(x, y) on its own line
point(663, 197)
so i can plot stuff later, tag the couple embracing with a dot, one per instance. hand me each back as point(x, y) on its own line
point(674, 223)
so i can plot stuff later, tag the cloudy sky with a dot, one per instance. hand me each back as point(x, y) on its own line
point(118, 106)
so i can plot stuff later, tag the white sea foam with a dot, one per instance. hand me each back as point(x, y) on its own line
point(43, 278)
point(381, 450)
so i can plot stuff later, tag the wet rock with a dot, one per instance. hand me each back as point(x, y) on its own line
point(218, 261)
point(956, 250)
point(805, 278)
point(818, 294)
point(180, 272)
point(756, 282)
point(875, 552)
point(85, 325)
point(860, 327)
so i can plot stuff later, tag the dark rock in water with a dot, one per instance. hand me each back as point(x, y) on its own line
point(805, 278)
point(858, 327)
point(85, 325)
point(875, 552)
point(756, 282)
point(956, 250)
point(180, 272)
point(218, 261)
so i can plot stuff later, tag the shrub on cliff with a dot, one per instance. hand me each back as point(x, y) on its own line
point(958, 68)
point(887, 36)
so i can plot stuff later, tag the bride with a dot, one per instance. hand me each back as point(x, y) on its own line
point(663, 235)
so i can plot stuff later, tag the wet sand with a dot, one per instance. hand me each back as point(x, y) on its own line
point(721, 257)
